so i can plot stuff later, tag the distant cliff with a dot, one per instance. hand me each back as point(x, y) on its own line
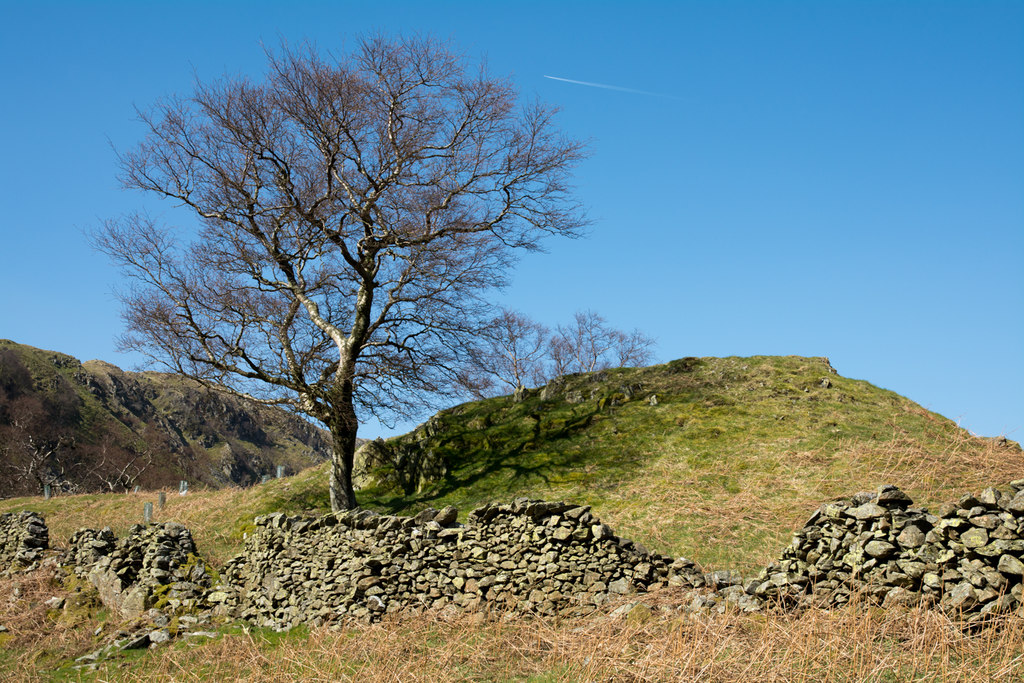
point(94, 427)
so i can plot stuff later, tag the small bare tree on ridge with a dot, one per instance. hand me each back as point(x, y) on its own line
point(516, 351)
point(589, 343)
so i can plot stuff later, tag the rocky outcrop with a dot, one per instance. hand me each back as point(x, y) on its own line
point(530, 556)
point(23, 539)
point(407, 466)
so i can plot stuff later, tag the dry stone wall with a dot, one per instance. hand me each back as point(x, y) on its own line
point(530, 556)
point(967, 557)
point(153, 565)
point(23, 538)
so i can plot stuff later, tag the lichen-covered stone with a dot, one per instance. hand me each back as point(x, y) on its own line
point(23, 540)
point(533, 556)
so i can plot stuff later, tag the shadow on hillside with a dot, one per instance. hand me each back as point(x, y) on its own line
point(521, 464)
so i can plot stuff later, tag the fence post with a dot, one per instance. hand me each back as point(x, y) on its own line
point(46, 491)
point(280, 471)
point(182, 488)
point(147, 513)
point(162, 499)
point(265, 479)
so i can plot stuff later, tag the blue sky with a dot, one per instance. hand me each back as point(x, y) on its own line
point(841, 179)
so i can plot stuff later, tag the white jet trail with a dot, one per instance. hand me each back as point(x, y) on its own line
point(609, 87)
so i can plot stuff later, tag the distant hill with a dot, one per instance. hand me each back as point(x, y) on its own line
point(93, 427)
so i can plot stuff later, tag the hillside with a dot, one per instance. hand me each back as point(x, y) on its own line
point(93, 427)
point(717, 459)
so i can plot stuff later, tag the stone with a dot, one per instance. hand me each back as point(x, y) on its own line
point(867, 511)
point(974, 538)
point(892, 497)
point(158, 636)
point(879, 548)
point(911, 537)
point(447, 516)
point(1008, 564)
point(988, 522)
point(962, 597)
point(136, 642)
point(990, 497)
point(1016, 504)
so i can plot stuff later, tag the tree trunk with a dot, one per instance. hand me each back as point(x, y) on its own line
point(343, 429)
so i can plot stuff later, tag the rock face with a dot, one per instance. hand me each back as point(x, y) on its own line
point(153, 565)
point(965, 559)
point(23, 538)
point(407, 466)
point(99, 414)
point(530, 556)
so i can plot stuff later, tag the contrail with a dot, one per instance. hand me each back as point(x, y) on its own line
point(609, 87)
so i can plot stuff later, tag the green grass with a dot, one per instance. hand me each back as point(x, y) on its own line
point(731, 458)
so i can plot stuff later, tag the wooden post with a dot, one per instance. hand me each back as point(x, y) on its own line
point(162, 499)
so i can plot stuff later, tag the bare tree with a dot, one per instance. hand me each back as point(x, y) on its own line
point(512, 354)
point(517, 351)
point(118, 469)
point(37, 449)
point(588, 343)
point(352, 213)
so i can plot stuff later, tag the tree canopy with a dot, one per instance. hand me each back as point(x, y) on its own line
point(349, 216)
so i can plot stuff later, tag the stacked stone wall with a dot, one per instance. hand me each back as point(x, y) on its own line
point(153, 565)
point(23, 539)
point(530, 556)
point(966, 558)
point(546, 558)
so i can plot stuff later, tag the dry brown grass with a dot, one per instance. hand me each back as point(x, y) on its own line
point(672, 510)
point(852, 644)
point(37, 637)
